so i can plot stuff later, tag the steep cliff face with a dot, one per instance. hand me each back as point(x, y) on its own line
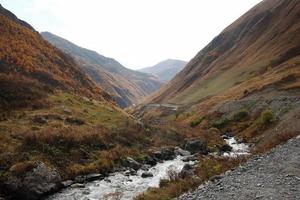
point(259, 51)
point(126, 86)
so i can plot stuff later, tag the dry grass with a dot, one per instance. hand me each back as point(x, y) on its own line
point(208, 167)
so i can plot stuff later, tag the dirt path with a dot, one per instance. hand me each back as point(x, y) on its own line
point(275, 175)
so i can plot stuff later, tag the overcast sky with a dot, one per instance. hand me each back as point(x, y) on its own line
point(137, 33)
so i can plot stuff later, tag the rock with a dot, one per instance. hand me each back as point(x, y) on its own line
point(216, 177)
point(150, 161)
point(39, 120)
point(147, 174)
point(146, 167)
point(77, 185)
point(164, 154)
point(187, 167)
point(239, 141)
point(130, 172)
point(93, 177)
point(34, 184)
point(196, 146)
point(225, 148)
point(107, 180)
point(86, 192)
point(74, 121)
point(67, 183)
point(181, 152)
point(80, 179)
point(67, 111)
point(130, 162)
point(189, 158)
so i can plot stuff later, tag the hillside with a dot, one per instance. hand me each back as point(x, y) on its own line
point(127, 86)
point(245, 83)
point(55, 122)
point(251, 68)
point(166, 69)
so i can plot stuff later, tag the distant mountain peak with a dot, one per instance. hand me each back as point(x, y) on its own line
point(166, 69)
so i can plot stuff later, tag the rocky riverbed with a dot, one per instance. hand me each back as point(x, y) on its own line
point(127, 184)
point(275, 175)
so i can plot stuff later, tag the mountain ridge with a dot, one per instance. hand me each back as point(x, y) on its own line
point(127, 86)
point(165, 70)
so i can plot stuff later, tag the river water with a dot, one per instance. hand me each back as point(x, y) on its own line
point(118, 186)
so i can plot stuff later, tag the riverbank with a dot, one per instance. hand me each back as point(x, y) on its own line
point(275, 175)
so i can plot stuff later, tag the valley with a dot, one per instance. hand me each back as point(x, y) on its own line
point(75, 124)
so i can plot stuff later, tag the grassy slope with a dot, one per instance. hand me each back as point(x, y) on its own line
point(107, 135)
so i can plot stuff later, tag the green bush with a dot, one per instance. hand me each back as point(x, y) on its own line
point(242, 114)
point(219, 123)
point(267, 117)
point(197, 121)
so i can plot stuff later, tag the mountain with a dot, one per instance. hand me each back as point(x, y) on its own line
point(127, 86)
point(245, 84)
point(56, 123)
point(165, 70)
point(246, 81)
point(30, 66)
point(258, 52)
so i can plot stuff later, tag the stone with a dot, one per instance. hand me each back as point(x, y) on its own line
point(78, 185)
point(80, 179)
point(145, 167)
point(187, 167)
point(150, 161)
point(34, 184)
point(93, 177)
point(225, 148)
point(67, 183)
point(130, 162)
point(196, 146)
point(39, 120)
point(74, 121)
point(164, 154)
point(67, 111)
point(181, 152)
point(147, 174)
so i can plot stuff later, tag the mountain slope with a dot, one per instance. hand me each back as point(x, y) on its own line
point(55, 122)
point(165, 70)
point(127, 86)
point(258, 51)
point(30, 65)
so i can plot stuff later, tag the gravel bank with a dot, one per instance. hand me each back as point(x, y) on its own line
point(275, 175)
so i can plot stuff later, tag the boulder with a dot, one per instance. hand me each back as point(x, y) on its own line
point(39, 120)
point(93, 177)
point(196, 146)
point(145, 167)
point(181, 152)
point(80, 179)
point(189, 158)
point(34, 184)
point(164, 154)
point(130, 172)
point(150, 161)
point(147, 174)
point(225, 148)
point(67, 183)
point(77, 185)
point(187, 167)
point(131, 163)
point(74, 121)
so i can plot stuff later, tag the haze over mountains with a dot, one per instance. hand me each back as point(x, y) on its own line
point(126, 86)
point(166, 69)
